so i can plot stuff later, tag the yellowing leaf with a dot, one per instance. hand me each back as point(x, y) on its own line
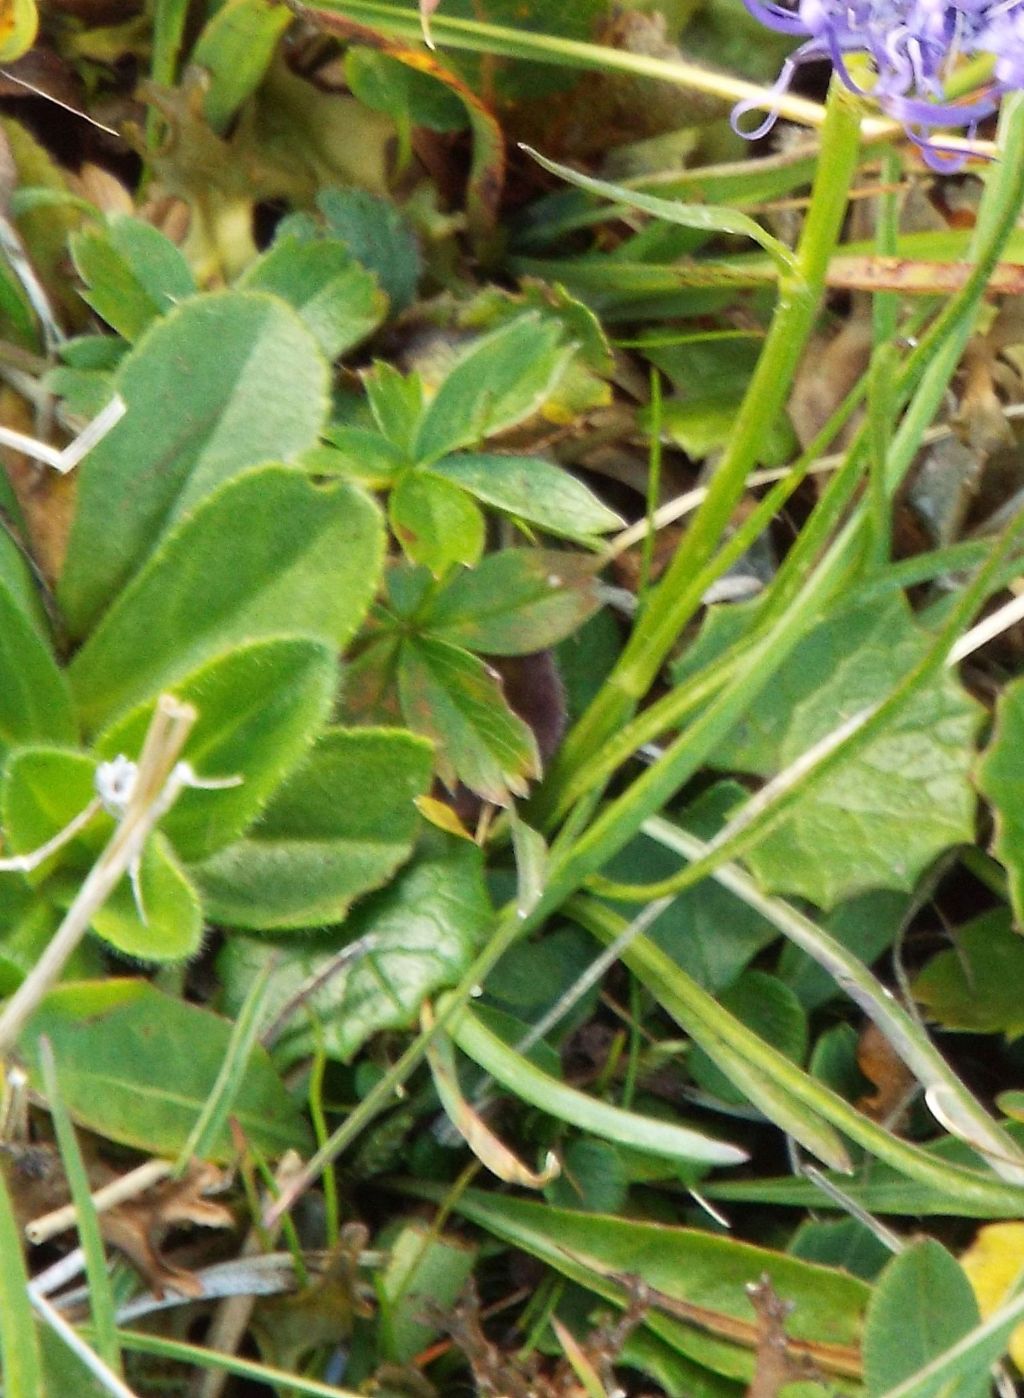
point(993, 1263)
point(19, 21)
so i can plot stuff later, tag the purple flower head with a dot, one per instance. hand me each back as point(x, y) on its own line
point(911, 47)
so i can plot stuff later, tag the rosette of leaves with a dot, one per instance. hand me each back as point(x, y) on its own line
point(203, 561)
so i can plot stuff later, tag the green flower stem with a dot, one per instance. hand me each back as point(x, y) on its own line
point(668, 711)
point(677, 599)
point(884, 365)
point(922, 380)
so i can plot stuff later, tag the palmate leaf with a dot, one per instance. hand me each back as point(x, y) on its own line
point(515, 602)
point(456, 700)
point(436, 522)
point(501, 379)
point(533, 490)
point(894, 806)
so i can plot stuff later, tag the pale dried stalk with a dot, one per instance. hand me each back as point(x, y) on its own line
point(231, 1318)
point(154, 792)
point(46, 1226)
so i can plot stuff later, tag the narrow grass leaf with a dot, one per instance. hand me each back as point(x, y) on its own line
point(19, 1340)
point(101, 1298)
point(531, 1084)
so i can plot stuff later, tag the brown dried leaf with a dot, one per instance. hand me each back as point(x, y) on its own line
point(776, 1364)
point(881, 1065)
point(139, 1226)
point(46, 498)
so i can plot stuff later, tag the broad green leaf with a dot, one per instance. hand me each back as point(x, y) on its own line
point(503, 378)
point(26, 925)
point(894, 806)
point(702, 423)
point(1001, 779)
point(44, 788)
point(975, 986)
point(134, 273)
point(268, 554)
point(515, 602)
point(336, 828)
point(401, 92)
point(169, 924)
point(397, 404)
point(700, 1268)
point(427, 923)
point(259, 708)
point(844, 1242)
point(225, 382)
point(436, 523)
point(770, 1009)
point(15, 575)
point(235, 49)
point(337, 298)
point(530, 1084)
point(35, 702)
point(136, 1067)
point(457, 701)
point(531, 489)
point(921, 1305)
point(424, 1276)
point(593, 1178)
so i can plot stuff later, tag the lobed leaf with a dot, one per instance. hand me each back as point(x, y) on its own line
point(457, 701)
point(133, 272)
point(503, 378)
point(338, 299)
point(515, 602)
point(884, 814)
point(426, 924)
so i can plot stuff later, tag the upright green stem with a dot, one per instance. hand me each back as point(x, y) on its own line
point(884, 364)
point(676, 599)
